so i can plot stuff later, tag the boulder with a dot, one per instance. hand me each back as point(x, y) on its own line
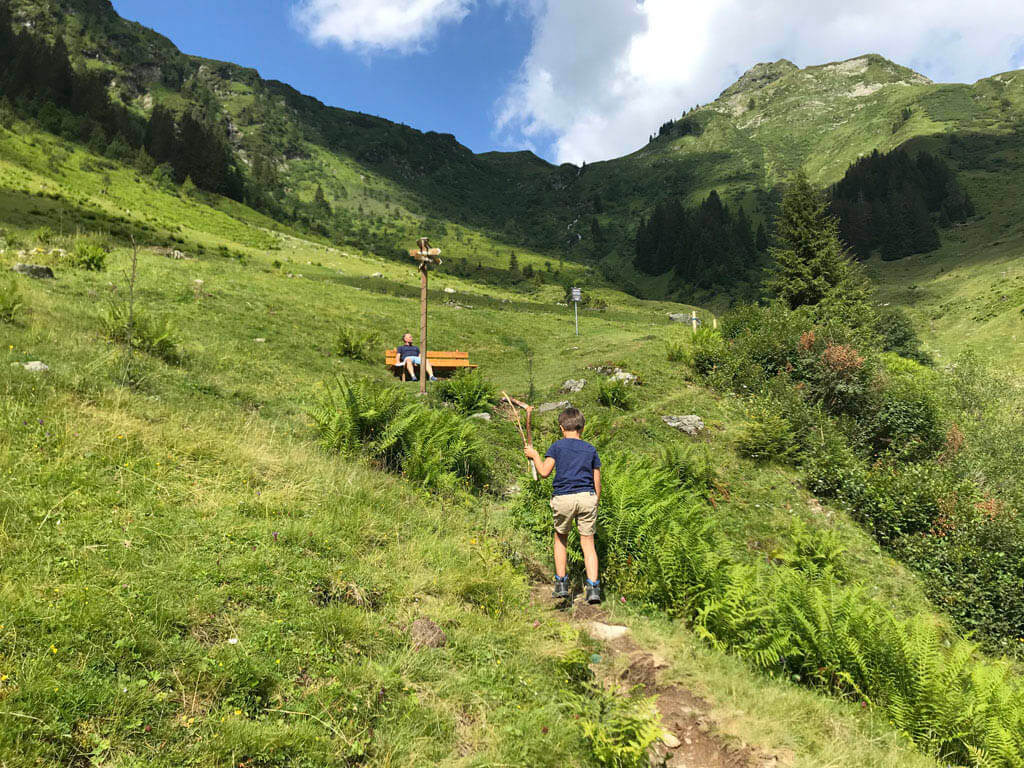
point(36, 367)
point(481, 416)
point(624, 376)
point(679, 317)
point(605, 632)
point(574, 385)
point(449, 290)
point(34, 270)
point(546, 407)
point(377, 274)
point(692, 425)
point(426, 634)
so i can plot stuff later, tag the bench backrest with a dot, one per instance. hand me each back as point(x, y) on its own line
point(391, 356)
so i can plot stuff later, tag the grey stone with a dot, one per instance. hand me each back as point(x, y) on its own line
point(34, 270)
point(624, 376)
point(449, 290)
point(679, 317)
point(426, 634)
point(670, 741)
point(691, 425)
point(574, 385)
point(37, 367)
point(546, 407)
point(377, 274)
point(481, 416)
point(605, 632)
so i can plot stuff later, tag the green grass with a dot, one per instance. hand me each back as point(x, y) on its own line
point(145, 527)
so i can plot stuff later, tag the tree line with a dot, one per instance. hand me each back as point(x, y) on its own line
point(40, 82)
point(895, 202)
point(703, 247)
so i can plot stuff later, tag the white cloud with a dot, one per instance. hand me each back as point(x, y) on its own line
point(401, 25)
point(603, 74)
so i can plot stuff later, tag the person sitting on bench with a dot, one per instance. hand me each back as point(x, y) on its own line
point(409, 355)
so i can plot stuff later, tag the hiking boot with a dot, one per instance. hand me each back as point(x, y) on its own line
point(433, 378)
point(592, 590)
point(561, 588)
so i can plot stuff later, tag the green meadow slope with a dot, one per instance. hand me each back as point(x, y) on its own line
point(189, 578)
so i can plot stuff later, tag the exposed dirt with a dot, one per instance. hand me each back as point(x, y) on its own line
point(692, 740)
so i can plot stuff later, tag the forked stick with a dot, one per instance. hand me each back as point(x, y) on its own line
point(528, 435)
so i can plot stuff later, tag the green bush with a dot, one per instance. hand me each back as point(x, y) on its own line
point(614, 393)
point(467, 391)
point(897, 334)
point(908, 421)
point(677, 351)
point(618, 728)
point(436, 448)
point(707, 350)
point(88, 253)
point(10, 299)
point(150, 334)
point(767, 435)
point(356, 344)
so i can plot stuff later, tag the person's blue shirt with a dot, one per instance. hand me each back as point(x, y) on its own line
point(575, 462)
point(405, 351)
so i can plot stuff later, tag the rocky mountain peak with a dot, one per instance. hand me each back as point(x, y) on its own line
point(760, 75)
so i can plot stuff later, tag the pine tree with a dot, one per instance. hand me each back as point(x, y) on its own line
point(812, 266)
point(762, 238)
point(320, 201)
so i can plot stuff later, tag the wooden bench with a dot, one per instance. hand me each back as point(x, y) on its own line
point(443, 363)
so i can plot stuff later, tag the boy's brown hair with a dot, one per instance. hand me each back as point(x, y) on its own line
point(572, 420)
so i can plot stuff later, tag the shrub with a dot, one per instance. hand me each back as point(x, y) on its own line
point(896, 334)
point(618, 728)
point(707, 350)
point(154, 335)
point(908, 421)
point(356, 344)
point(767, 435)
point(615, 393)
point(468, 391)
point(676, 351)
point(88, 253)
point(10, 299)
point(436, 448)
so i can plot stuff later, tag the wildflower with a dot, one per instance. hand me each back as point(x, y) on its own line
point(53, 649)
point(238, 711)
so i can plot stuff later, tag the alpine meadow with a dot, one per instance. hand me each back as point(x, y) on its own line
point(241, 526)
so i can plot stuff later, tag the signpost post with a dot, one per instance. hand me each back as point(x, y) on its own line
point(577, 294)
point(425, 256)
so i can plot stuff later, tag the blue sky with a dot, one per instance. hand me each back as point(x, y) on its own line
point(451, 87)
point(574, 80)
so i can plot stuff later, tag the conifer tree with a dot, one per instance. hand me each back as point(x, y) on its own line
point(812, 266)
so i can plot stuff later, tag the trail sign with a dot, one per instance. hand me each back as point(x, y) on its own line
point(577, 296)
point(426, 256)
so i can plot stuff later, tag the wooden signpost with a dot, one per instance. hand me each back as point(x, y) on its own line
point(425, 256)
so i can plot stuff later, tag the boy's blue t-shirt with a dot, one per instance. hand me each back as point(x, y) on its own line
point(407, 350)
point(575, 462)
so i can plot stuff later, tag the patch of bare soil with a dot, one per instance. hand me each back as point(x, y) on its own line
point(691, 740)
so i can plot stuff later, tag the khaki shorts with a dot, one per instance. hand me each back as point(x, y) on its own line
point(581, 506)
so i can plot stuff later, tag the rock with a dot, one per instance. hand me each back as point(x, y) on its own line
point(36, 367)
point(260, 341)
point(679, 317)
point(34, 270)
point(176, 255)
point(691, 425)
point(481, 416)
point(545, 407)
point(670, 741)
point(426, 634)
point(574, 385)
point(449, 290)
point(605, 632)
point(624, 376)
point(377, 274)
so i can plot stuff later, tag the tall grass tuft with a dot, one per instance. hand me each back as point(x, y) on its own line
point(614, 393)
point(148, 333)
point(436, 448)
point(10, 299)
point(356, 344)
point(468, 392)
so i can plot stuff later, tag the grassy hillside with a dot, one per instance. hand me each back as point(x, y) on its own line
point(189, 578)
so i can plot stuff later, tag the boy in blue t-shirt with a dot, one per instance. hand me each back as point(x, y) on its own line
point(576, 492)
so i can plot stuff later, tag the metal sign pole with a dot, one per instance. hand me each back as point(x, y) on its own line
point(576, 296)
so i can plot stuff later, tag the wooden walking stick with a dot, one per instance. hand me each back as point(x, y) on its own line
point(528, 435)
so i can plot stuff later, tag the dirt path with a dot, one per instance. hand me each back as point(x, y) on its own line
point(692, 741)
